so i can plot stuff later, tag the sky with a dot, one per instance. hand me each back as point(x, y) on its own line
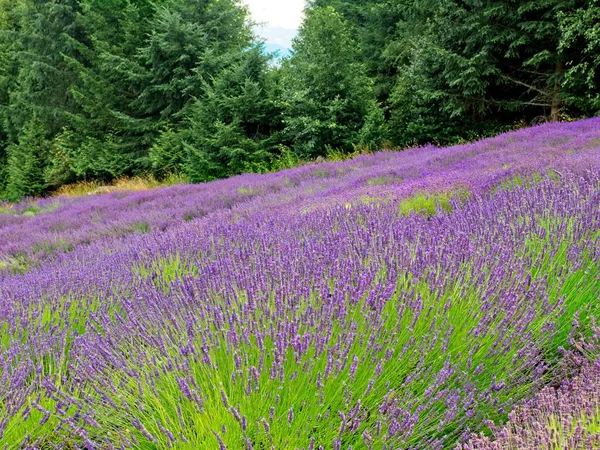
point(280, 18)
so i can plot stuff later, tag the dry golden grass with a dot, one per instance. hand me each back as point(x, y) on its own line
point(5, 208)
point(121, 184)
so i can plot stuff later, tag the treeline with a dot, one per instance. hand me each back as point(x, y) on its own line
point(98, 89)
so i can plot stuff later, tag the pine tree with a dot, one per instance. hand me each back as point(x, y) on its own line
point(473, 60)
point(47, 33)
point(580, 39)
point(26, 162)
point(137, 95)
point(10, 12)
point(190, 41)
point(327, 95)
point(37, 81)
point(373, 24)
point(228, 130)
point(108, 137)
point(232, 128)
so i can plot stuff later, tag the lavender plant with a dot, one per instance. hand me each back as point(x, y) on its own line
point(311, 308)
point(567, 417)
point(34, 231)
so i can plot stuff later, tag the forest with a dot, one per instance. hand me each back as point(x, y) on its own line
point(99, 89)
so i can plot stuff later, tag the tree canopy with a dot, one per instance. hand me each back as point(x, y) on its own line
point(98, 89)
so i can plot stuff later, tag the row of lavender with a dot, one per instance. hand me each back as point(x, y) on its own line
point(567, 417)
point(34, 231)
point(320, 326)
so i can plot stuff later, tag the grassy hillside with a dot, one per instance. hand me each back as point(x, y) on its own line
point(396, 300)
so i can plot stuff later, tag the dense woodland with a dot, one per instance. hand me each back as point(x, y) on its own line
point(98, 89)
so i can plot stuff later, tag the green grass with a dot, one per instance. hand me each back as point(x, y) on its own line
point(67, 318)
point(141, 227)
point(34, 209)
point(429, 204)
point(425, 204)
point(526, 180)
point(15, 264)
point(250, 191)
point(52, 247)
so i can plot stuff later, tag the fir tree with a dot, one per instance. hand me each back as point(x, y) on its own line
point(26, 161)
point(327, 95)
point(580, 40)
point(231, 128)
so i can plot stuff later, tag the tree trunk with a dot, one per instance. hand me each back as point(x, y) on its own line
point(555, 110)
point(557, 94)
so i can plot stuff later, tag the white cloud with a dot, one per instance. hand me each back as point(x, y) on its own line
point(279, 19)
point(285, 14)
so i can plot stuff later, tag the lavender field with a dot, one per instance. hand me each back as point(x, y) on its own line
point(401, 300)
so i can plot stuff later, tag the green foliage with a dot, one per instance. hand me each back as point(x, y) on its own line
point(45, 35)
point(285, 158)
point(162, 70)
point(580, 35)
point(106, 137)
point(25, 164)
point(170, 87)
point(468, 67)
point(190, 42)
point(328, 98)
point(10, 11)
point(230, 130)
point(372, 24)
point(429, 204)
point(168, 154)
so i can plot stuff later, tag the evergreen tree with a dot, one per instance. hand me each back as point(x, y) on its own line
point(233, 127)
point(108, 137)
point(144, 82)
point(230, 129)
point(472, 62)
point(191, 41)
point(373, 23)
point(440, 87)
point(10, 19)
point(580, 39)
point(327, 96)
point(26, 160)
point(47, 34)
point(38, 104)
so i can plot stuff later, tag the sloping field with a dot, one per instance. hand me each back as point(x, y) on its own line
point(398, 301)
